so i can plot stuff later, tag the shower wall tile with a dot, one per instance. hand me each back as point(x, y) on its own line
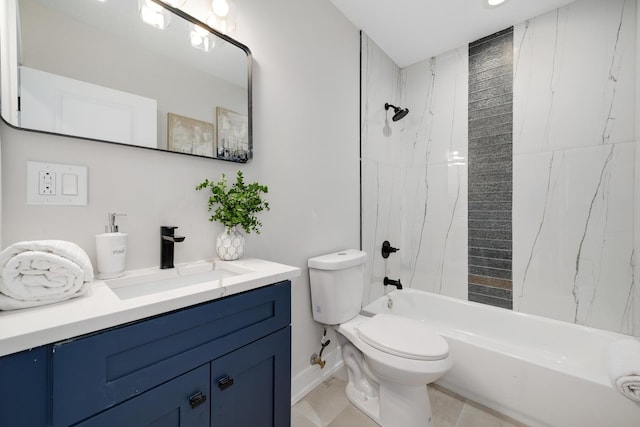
point(575, 162)
point(573, 252)
point(574, 166)
point(414, 180)
point(574, 75)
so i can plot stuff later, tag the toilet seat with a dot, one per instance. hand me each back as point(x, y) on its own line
point(404, 337)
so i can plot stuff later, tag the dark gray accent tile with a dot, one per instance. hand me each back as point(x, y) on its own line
point(487, 39)
point(496, 110)
point(503, 70)
point(486, 61)
point(492, 122)
point(500, 264)
point(499, 176)
point(490, 225)
point(490, 186)
point(490, 234)
point(491, 291)
point(485, 215)
point(491, 93)
point(506, 245)
point(492, 196)
point(487, 141)
point(490, 272)
point(478, 151)
point(490, 168)
point(484, 168)
point(495, 80)
point(491, 102)
point(484, 131)
point(496, 302)
point(490, 253)
point(489, 206)
point(493, 159)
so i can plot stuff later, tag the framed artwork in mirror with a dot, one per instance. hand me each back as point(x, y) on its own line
point(232, 135)
point(187, 135)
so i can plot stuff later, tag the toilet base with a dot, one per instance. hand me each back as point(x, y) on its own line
point(387, 403)
point(398, 406)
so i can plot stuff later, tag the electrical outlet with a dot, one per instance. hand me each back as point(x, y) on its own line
point(56, 184)
point(46, 183)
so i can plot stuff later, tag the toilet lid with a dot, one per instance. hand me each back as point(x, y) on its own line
point(403, 337)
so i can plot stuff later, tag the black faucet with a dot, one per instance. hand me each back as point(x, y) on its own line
point(387, 249)
point(395, 283)
point(167, 239)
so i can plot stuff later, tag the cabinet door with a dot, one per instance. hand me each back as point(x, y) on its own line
point(252, 385)
point(181, 402)
point(23, 388)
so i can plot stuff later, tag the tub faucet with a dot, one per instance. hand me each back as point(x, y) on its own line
point(395, 283)
point(167, 240)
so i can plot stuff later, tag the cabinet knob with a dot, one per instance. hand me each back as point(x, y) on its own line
point(225, 382)
point(197, 399)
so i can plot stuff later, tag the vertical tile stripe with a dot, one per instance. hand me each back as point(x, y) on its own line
point(490, 170)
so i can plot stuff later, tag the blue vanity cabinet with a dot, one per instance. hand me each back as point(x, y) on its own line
point(249, 385)
point(23, 388)
point(179, 402)
point(221, 363)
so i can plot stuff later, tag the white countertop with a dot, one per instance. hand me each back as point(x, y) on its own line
point(101, 308)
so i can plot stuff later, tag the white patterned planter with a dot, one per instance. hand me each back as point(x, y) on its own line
point(230, 244)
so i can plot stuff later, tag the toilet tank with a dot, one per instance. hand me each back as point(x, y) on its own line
point(336, 282)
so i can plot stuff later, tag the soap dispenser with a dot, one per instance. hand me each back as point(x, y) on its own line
point(111, 248)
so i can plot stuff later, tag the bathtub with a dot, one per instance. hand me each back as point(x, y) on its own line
point(539, 371)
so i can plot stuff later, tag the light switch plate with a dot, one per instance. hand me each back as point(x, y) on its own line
point(68, 184)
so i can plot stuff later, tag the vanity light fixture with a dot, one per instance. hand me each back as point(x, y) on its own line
point(220, 7)
point(221, 18)
point(154, 14)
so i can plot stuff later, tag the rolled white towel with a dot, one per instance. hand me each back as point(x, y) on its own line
point(624, 367)
point(42, 272)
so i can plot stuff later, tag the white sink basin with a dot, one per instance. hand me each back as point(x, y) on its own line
point(139, 283)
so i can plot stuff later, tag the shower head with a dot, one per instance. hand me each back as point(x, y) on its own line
point(399, 113)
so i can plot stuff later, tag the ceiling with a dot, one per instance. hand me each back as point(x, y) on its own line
point(412, 30)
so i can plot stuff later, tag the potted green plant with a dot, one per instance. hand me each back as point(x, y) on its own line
point(235, 206)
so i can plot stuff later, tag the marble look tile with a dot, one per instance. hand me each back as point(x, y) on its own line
point(574, 77)
point(352, 417)
point(324, 403)
point(445, 407)
point(476, 416)
point(402, 175)
point(298, 417)
point(573, 252)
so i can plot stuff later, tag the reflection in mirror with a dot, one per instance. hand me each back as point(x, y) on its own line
point(134, 72)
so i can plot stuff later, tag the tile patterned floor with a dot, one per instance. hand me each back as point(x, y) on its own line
point(327, 406)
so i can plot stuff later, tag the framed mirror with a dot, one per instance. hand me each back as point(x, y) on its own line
point(133, 72)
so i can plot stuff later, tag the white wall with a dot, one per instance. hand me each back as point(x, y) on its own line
point(306, 147)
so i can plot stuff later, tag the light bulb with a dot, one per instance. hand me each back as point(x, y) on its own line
point(220, 7)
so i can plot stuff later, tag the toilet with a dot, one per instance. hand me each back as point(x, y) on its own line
point(390, 359)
